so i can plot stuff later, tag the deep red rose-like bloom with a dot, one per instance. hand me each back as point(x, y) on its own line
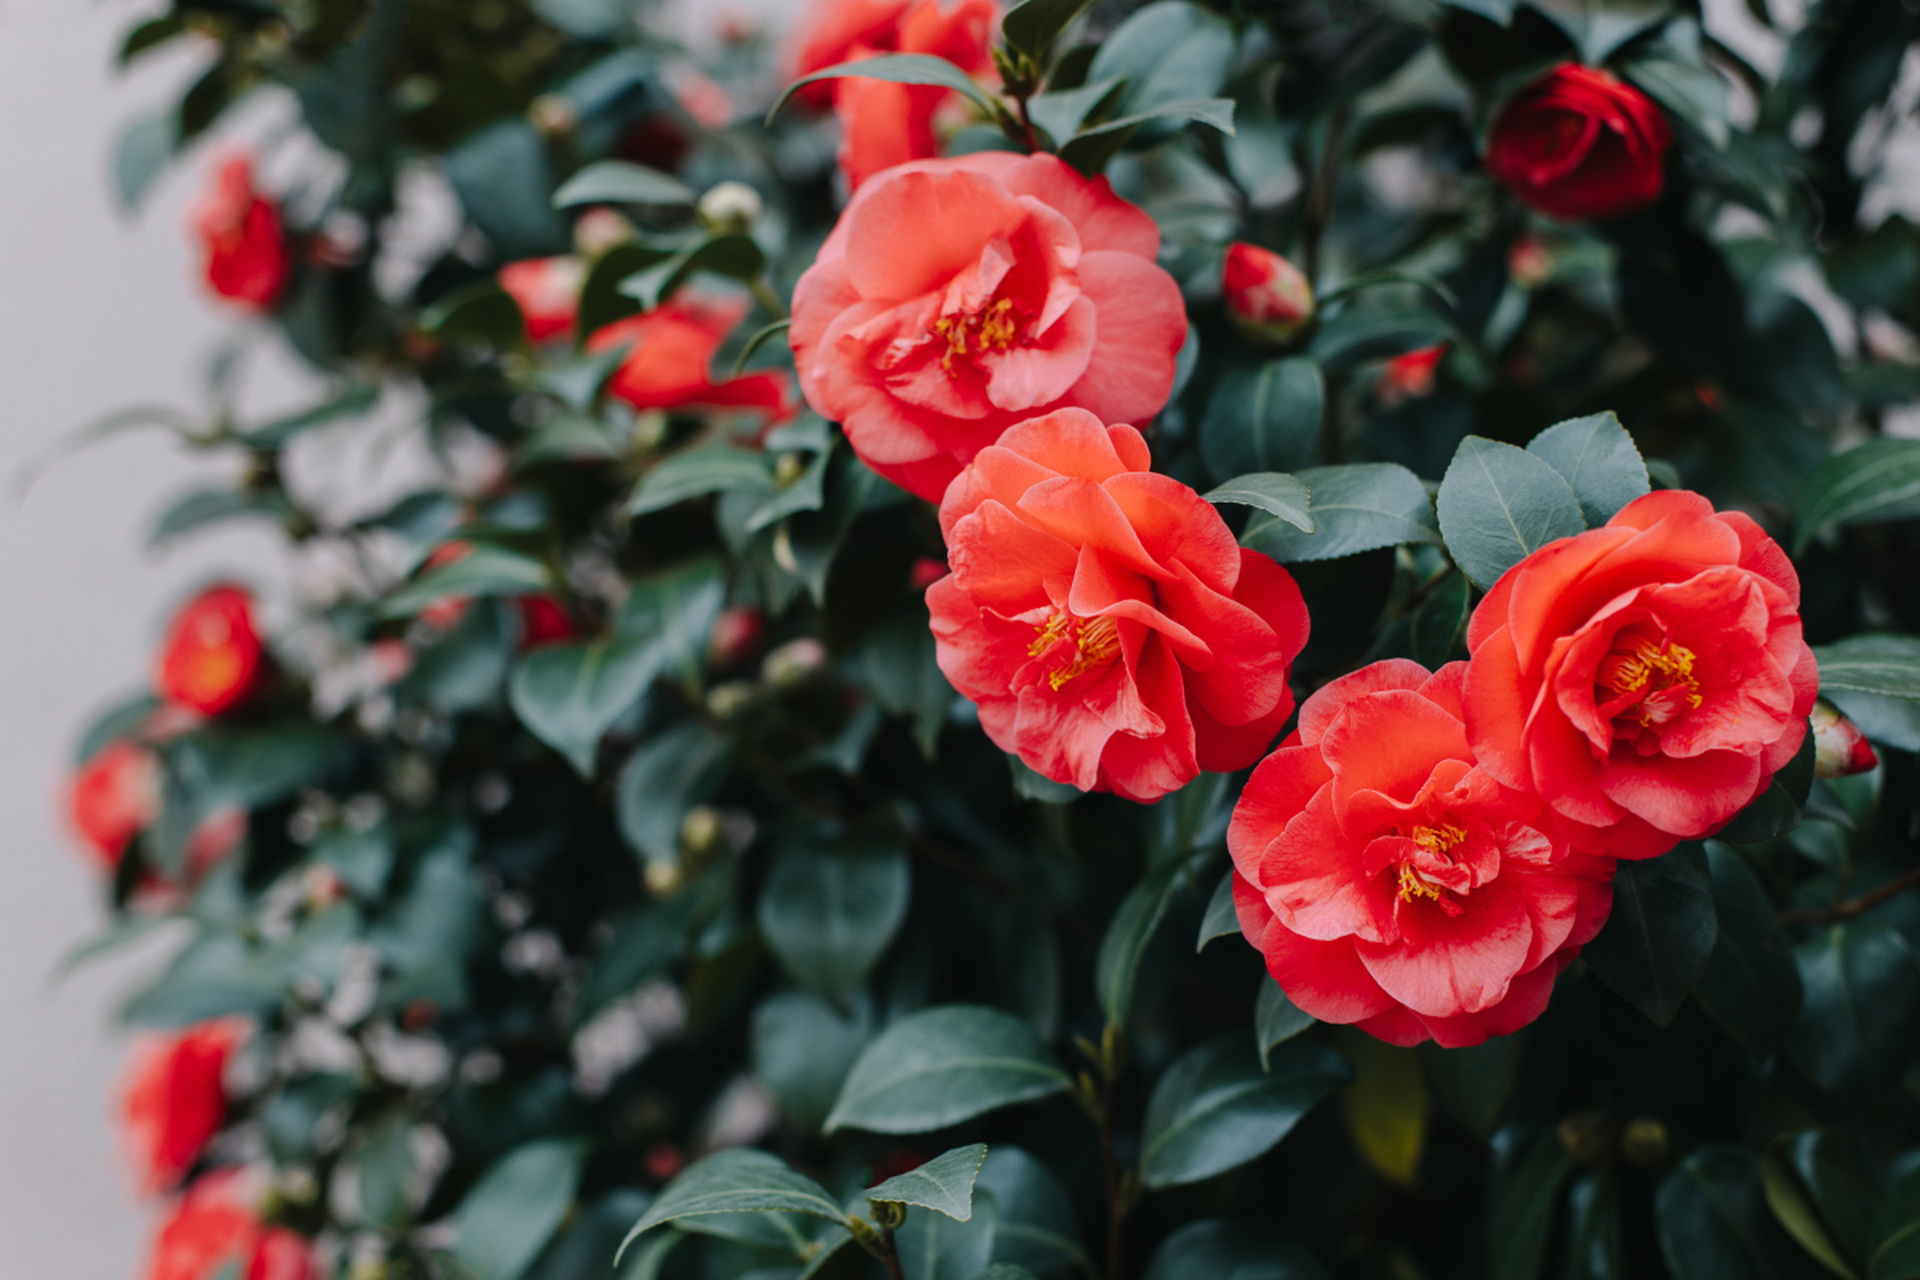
point(1266, 295)
point(212, 657)
point(1112, 632)
point(673, 348)
point(175, 1100)
point(547, 291)
point(212, 1229)
point(1646, 678)
point(239, 231)
point(114, 797)
point(958, 297)
point(1393, 883)
point(1579, 143)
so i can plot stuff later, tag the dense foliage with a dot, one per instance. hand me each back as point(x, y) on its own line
point(803, 728)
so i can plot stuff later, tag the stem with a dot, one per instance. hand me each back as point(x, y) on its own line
point(889, 1255)
point(1320, 194)
point(1116, 1202)
point(1854, 906)
point(763, 294)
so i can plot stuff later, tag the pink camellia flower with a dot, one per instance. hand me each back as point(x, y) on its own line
point(1646, 678)
point(214, 1231)
point(1393, 883)
point(1839, 748)
point(1267, 297)
point(114, 797)
point(958, 297)
point(212, 658)
point(239, 230)
point(175, 1100)
point(673, 350)
point(548, 293)
point(1102, 617)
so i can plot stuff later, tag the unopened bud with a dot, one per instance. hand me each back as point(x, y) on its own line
point(1529, 262)
point(662, 878)
point(1268, 297)
point(1645, 1141)
point(1839, 748)
point(736, 633)
point(725, 701)
point(788, 469)
point(1411, 375)
point(700, 830)
point(730, 207)
point(793, 661)
point(600, 229)
point(1588, 1136)
point(553, 117)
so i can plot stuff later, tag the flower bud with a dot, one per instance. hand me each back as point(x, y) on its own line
point(1645, 1142)
point(600, 229)
point(700, 830)
point(736, 633)
point(1411, 375)
point(1529, 262)
point(730, 207)
point(793, 662)
point(553, 117)
point(1268, 297)
point(1839, 748)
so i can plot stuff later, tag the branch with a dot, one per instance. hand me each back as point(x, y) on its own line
point(1852, 907)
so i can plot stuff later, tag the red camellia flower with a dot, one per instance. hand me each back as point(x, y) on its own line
point(547, 291)
point(1267, 297)
point(673, 348)
point(114, 797)
point(1579, 143)
point(212, 657)
point(239, 230)
point(1646, 678)
point(175, 1100)
point(1103, 618)
point(958, 297)
point(212, 1229)
point(1392, 882)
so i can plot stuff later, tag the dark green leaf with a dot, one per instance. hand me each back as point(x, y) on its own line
point(1824, 1186)
point(484, 571)
point(1036, 1229)
point(802, 1050)
point(1596, 29)
point(1265, 419)
point(515, 1208)
point(1032, 26)
point(204, 507)
point(381, 1164)
point(568, 695)
point(1167, 52)
point(1750, 986)
point(1214, 1108)
point(1597, 459)
point(1374, 326)
point(1499, 504)
point(505, 185)
point(829, 915)
point(735, 1181)
point(662, 779)
point(1714, 1223)
point(1656, 942)
point(1895, 1232)
point(1528, 1172)
point(1221, 919)
point(1875, 679)
point(900, 68)
point(1354, 508)
point(1276, 1020)
point(620, 182)
point(943, 1184)
point(1031, 786)
point(703, 471)
point(1130, 933)
point(482, 313)
point(734, 256)
point(1775, 811)
point(1596, 1244)
point(1857, 1017)
point(1282, 496)
point(1216, 1249)
point(1875, 481)
point(933, 1245)
point(1091, 150)
point(1435, 628)
point(943, 1065)
point(760, 338)
point(354, 400)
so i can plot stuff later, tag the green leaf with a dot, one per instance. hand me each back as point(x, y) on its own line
point(900, 68)
point(943, 1184)
point(1375, 326)
point(803, 1048)
point(1596, 1237)
point(275, 433)
point(253, 767)
point(486, 570)
point(1875, 679)
point(1215, 1108)
point(734, 256)
point(381, 1163)
point(1354, 508)
point(943, 1065)
point(505, 184)
point(1472, 1085)
point(829, 915)
point(515, 1208)
point(691, 475)
point(1276, 1020)
point(1032, 26)
point(1824, 1187)
point(1694, 94)
point(899, 666)
point(1221, 919)
point(1895, 1232)
point(1386, 1108)
point(1265, 419)
point(569, 695)
point(1435, 629)
point(1713, 1220)
point(1167, 52)
point(1499, 504)
point(1750, 986)
point(733, 1181)
point(1871, 482)
point(1857, 1017)
point(141, 155)
point(1597, 459)
point(761, 336)
point(1656, 942)
point(1036, 1229)
point(1776, 810)
point(1029, 785)
point(1528, 1174)
point(933, 1246)
point(662, 780)
point(1130, 933)
point(1216, 1249)
point(1598, 29)
point(203, 507)
point(1091, 150)
point(620, 182)
point(1282, 496)
point(676, 610)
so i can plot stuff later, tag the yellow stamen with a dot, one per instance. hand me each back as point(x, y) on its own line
point(1641, 664)
point(992, 329)
point(1438, 842)
point(1095, 643)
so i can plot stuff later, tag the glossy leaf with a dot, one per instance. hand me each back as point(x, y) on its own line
point(621, 182)
point(1036, 1227)
point(1713, 1220)
point(900, 68)
point(569, 695)
point(1862, 997)
point(1032, 26)
point(934, 1245)
point(943, 1184)
point(1598, 460)
point(1875, 481)
point(1276, 1020)
point(1219, 1249)
point(1499, 504)
point(661, 781)
point(829, 915)
point(1528, 1174)
point(511, 1213)
point(698, 473)
point(943, 1065)
point(802, 1049)
point(737, 1180)
point(1354, 508)
point(1776, 810)
point(1282, 496)
point(1824, 1187)
point(1750, 986)
point(1657, 939)
point(1130, 933)
point(1265, 419)
point(1386, 1107)
point(1221, 918)
point(1875, 679)
point(1214, 1108)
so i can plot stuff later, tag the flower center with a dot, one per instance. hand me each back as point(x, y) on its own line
point(1659, 676)
point(1436, 842)
point(989, 329)
point(1096, 641)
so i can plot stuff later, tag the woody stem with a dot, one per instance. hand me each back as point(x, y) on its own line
point(1852, 907)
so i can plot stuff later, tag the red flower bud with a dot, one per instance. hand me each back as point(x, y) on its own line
point(212, 657)
point(175, 1101)
point(239, 231)
point(1579, 143)
point(547, 291)
point(114, 797)
point(1267, 296)
point(927, 571)
point(1839, 748)
point(737, 632)
point(543, 621)
point(1409, 376)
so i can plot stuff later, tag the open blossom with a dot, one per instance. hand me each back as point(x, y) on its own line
point(1646, 678)
point(547, 291)
point(883, 124)
point(245, 247)
point(673, 349)
point(957, 297)
point(1267, 296)
point(115, 796)
point(175, 1100)
point(1579, 143)
point(1392, 882)
point(212, 657)
point(1110, 629)
point(212, 1232)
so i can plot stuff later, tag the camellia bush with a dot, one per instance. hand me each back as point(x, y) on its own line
point(1193, 640)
